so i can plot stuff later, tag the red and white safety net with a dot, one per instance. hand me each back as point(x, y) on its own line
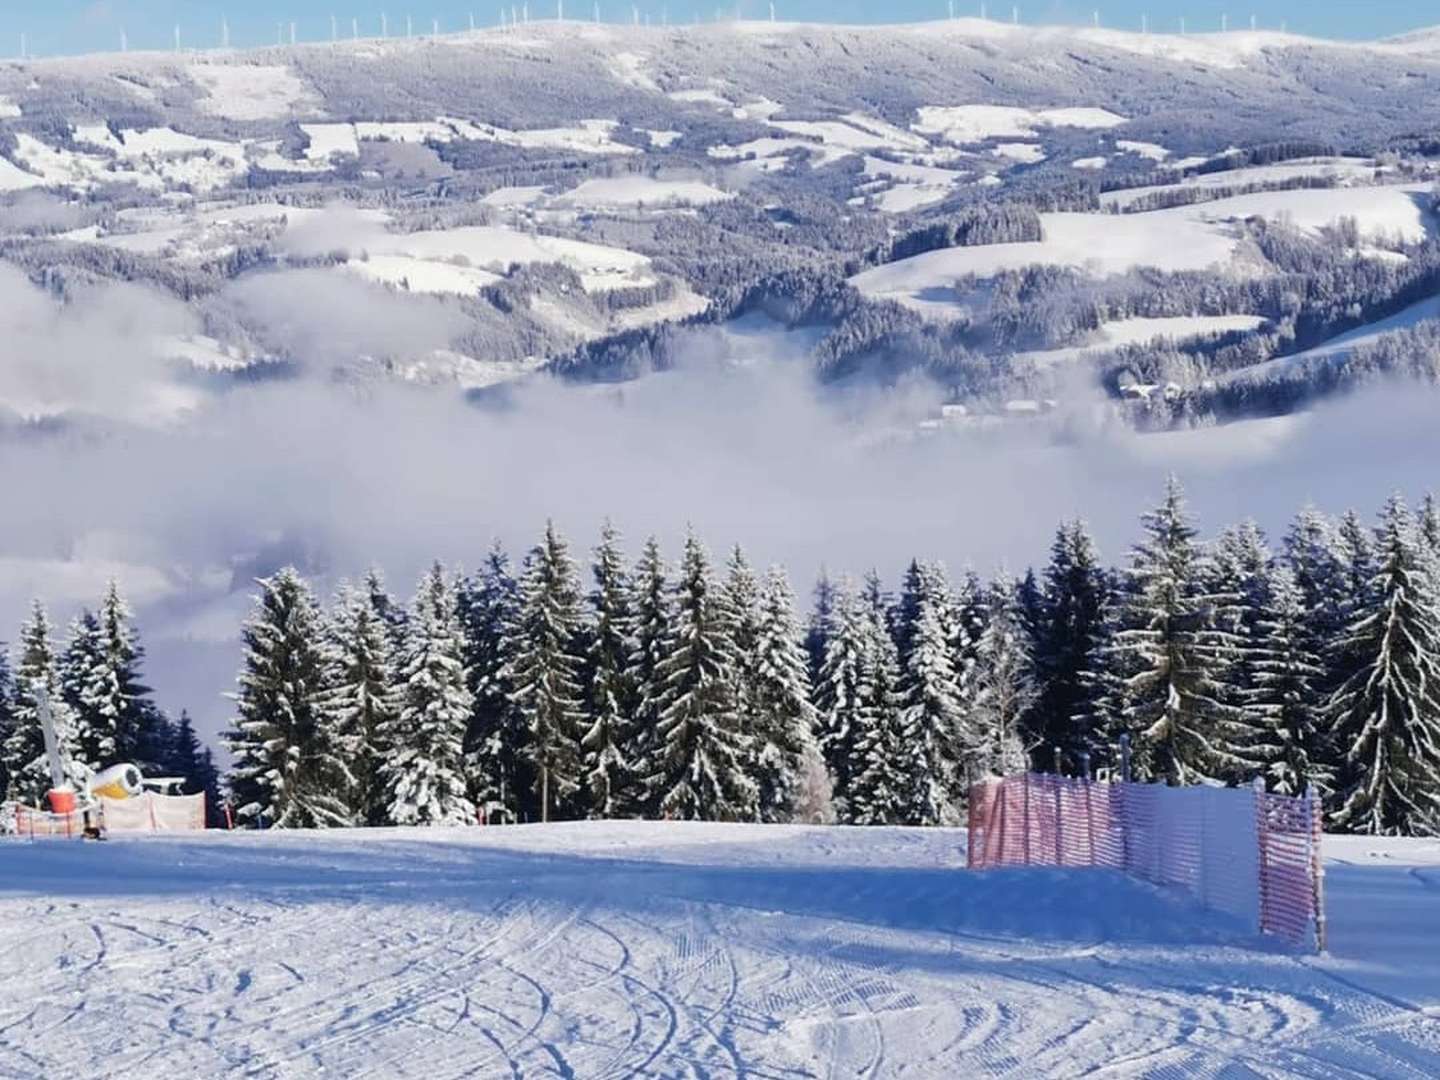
point(1237, 850)
point(146, 813)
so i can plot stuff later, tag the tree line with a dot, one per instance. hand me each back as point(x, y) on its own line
point(102, 709)
point(696, 691)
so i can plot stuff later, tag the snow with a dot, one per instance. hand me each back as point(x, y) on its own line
point(422, 275)
point(1342, 344)
point(700, 97)
point(508, 197)
point(968, 124)
point(914, 185)
point(1343, 169)
point(329, 141)
point(8, 109)
point(14, 178)
point(1089, 163)
point(1180, 238)
point(629, 69)
point(638, 189)
point(249, 91)
point(497, 248)
point(1144, 149)
point(1143, 331)
point(855, 133)
point(663, 139)
point(1024, 153)
point(618, 949)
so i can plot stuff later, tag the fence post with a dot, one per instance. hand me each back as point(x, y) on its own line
point(1125, 757)
point(1263, 840)
point(1085, 765)
point(1025, 850)
point(1089, 813)
point(1317, 867)
point(1059, 826)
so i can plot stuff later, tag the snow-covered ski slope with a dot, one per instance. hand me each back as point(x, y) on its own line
point(666, 950)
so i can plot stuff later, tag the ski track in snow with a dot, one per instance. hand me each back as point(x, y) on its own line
point(707, 952)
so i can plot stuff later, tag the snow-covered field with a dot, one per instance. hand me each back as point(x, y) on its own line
point(610, 950)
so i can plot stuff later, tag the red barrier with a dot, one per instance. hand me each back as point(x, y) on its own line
point(1240, 851)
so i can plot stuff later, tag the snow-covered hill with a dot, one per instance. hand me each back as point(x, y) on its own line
point(609, 950)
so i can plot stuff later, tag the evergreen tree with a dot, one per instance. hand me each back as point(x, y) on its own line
point(1388, 711)
point(545, 671)
point(1239, 587)
point(820, 624)
point(841, 696)
point(495, 736)
point(880, 784)
point(740, 598)
point(38, 671)
point(1070, 635)
point(289, 771)
point(115, 719)
point(194, 762)
point(1286, 696)
point(80, 664)
point(782, 718)
point(935, 707)
point(702, 754)
point(652, 621)
point(1176, 700)
point(361, 699)
point(609, 692)
point(423, 772)
point(7, 721)
point(1004, 685)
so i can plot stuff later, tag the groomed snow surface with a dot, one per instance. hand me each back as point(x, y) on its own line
point(669, 950)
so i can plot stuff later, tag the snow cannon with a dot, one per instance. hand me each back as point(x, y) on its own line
point(117, 782)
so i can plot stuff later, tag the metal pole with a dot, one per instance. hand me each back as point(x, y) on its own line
point(1125, 758)
point(1085, 765)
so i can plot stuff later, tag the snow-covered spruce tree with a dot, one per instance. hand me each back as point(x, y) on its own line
point(495, 736)
point(740, 599)
point(820, 623)
point(781, 717)
point(701, 752)
point(653, 616)
point(1004, 685)
point(609, 692)
point(545, 669)
point(289, 770)
point(7, 719)
point(194, 762)
point(1238, 584)
point(1388, 712)
point(116, 720)
point(941, 739)
point(1070, 631)
point(423, 771)
point(25, 758)
point(881, 777)
point(1177, 702)
point(360, 696)
point(1285, 698)
point(841, 695)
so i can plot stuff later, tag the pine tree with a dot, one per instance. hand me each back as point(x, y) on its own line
point(782, 718)
point(740, 597)
point(940, 738)
point(652, 628)
point(1176, 700)
point(115, 720)
point(1286, 696)
point(609, 692)
point(80, 664)
point(820, 624)
point(289, 771)
point(1239, 588)
point(423, 771)
point(1004, 685)
point(7, 721)
point(700, 769)
point(880, 783)
point(25, 758)
point(545, 670)
point(1072, 633)
point(194, 762)
point(841, 696)
point(1388, 711)
point(360, 697)
point(495, 737)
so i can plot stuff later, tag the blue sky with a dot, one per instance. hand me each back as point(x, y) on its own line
point(52, 26)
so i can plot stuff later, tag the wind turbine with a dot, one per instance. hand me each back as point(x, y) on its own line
point(559, 10)
point(293, 37)
point(597, 12)
point(983, 14)
point(1182, 24)
point(952, 9)
point(334, 27)
point(472, 22)
point(434, 27)
point(384, 25)
point(1015, 14)
point(1252, 22)
point(24, 46)
point(177, 37)
point(354, 28)
point(224, 32)
point(1095, 18)
point(1144, 23)
point(409, 26)
point(124, 40)
point(772, 10)
point(635, 14)
point(1224, 23)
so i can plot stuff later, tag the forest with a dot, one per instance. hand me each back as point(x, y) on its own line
point(698, 691)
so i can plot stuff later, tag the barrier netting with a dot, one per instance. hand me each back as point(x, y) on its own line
point(1237, 850)
point(144, 813)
